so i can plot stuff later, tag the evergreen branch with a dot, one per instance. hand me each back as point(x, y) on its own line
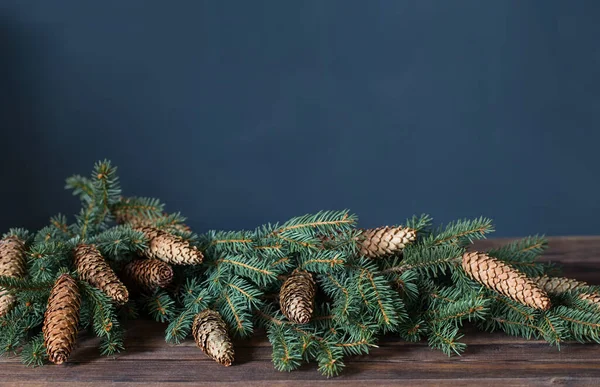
point(427, 259)
point(419, 223)
point(324, 261)
point(81, 186)
point(322, 221)
point(461, 232)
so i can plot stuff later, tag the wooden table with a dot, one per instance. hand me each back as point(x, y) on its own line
point(490, 359)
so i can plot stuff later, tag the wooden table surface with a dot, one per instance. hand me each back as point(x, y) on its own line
point(491, 359)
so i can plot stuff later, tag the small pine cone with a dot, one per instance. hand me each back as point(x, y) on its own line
point(591, 297)
point(504, 279)
point(297, 297)
point(170, 248)
point(557, 285)
point(61, 319)
point(12, 264)
point(148, 274)
point(210, 332)
point(384, 241)
point(92, 267)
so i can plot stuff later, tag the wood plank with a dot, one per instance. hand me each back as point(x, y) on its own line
point(489, 359)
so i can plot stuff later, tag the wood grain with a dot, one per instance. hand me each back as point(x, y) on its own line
point(492, 359)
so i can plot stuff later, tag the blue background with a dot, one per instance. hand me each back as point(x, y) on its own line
point(243, 112)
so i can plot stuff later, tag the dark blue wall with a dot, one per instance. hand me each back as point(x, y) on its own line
point(242, 112)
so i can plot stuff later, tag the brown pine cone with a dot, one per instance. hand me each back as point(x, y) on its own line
point(210, 332)
point(383, 241)
point(61, 319)
point(591, 297)
point(92, 267)
point(557, 285)
point(148, 274)
point(12, 264)
point(297, 297)
point(170, 248)
point(139, 220)
point(504, 279)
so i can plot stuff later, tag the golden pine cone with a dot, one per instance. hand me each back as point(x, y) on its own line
point(504, 279)
point(148, 274)
point(297, 297)
point(170, 248)
point(93, 268)
point(210, 332)
point(61, 319)
point(557, 285)
point(12, 264)
point(383, 241)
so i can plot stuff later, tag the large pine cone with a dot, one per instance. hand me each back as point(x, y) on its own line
point(297, 297)
point(12, 264)
point(385, 241)
point(504, 279)
point(148, 274)
point(210, 332)
point(61, 319)
point(93, 268)
point(170, 248)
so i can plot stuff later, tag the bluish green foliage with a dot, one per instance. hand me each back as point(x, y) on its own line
point(49, 253)
point(420, 293)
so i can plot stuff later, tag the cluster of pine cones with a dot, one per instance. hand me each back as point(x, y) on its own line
point(296, 296)
point(154, 270)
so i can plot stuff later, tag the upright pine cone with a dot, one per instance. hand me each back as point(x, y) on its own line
point(61, 319)
point(557, 285)
point(12, 264)
point(504, 279)
point(170, 248)
point(92, 267)
point(148, 274)
point(210, 332)
point(384, 241)
point(297, 297)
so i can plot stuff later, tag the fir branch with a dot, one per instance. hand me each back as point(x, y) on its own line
point(445, 337)
point(432, 260)
point(160, 305)
point(287, 347)
point(138, 207)
point(259, 271)
point(81, 186)
point(419, 223)
point(461, 233)
point(322, 222)
point(323, 261)
point(34, 352)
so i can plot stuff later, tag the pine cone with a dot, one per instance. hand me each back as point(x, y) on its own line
point(591, 297)
point(92, 267)
point(170, 248)
point(557, 285)
point(384, 241)
point(140, 220)
point(61, 319)
point(12, 264)
point(148, 274)
point(504, 279)
point(210, 332)
point(297, 297)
